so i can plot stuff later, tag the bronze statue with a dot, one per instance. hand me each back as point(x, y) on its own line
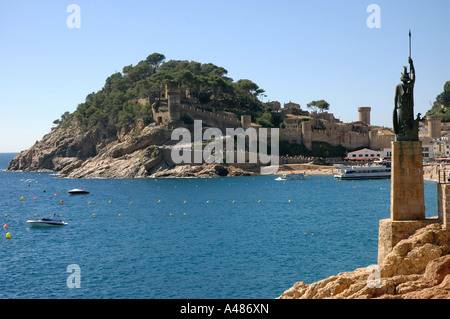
point(406, 128)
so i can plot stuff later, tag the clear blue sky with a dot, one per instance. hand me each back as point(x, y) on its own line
point(296, 50)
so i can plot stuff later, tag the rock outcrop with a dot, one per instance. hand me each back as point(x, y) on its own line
point(417, 268)
point(130, 152)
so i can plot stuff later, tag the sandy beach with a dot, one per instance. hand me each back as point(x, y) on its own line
point(309, 169)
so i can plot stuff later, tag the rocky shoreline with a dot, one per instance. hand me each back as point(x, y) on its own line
point(417, 268)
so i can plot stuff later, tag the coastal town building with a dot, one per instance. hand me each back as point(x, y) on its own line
point(364, 155)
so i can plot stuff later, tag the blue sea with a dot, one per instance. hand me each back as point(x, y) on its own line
point(185, 238)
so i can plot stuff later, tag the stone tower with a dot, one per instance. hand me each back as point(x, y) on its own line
point(173, 101)
point(434, 126)
point(246, 121)
point(307, 134)
point(364, 114)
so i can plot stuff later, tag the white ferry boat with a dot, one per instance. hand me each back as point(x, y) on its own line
point(363, 172)
point(290, 177)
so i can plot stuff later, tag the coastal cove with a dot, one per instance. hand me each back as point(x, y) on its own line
point(231, 237)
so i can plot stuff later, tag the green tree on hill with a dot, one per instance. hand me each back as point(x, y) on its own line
point(320, 105)
point(442, 104)
point(116, 104)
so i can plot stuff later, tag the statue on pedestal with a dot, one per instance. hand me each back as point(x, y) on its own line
point(406, 128)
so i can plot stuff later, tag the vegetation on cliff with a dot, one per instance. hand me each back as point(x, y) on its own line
point(441, 106)
point(209, 87)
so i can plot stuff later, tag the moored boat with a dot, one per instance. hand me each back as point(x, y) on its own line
point(290, 177)
point(363, 172)
point(78, 191)
point(46, 222)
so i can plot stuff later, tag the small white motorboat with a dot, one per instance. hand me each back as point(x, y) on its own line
point(78, 191)
point(290, 177)
point(46, 222)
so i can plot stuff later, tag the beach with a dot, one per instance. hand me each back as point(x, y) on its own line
point(309, 169)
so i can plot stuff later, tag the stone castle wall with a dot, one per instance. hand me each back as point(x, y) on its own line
point(214, 119)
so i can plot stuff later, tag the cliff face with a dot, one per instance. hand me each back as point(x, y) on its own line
point(131, 151)
point(61, 147)
point(417, 268)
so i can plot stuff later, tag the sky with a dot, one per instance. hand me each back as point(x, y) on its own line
point(51, 58)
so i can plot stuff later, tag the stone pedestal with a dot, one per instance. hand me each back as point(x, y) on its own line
point(444, 204)
point(407, 195)
point(391, 232)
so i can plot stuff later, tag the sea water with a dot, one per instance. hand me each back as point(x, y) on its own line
point(236, 237)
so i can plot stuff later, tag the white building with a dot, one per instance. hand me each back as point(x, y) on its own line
point(364, 154)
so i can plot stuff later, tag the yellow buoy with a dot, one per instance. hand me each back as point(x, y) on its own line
point(207, 202)
point(110, 202)
point(8, 235)
point(185, 201)
point(184, 214)
point(21, 198)
point(131, 203)
point(93, 214)
point(289, 201)
point(170, 214)
point(259, 201)
point(159, 201)
point(89, 203)
point(6, 215)
point(34, 215)
point(61, 215)
point(234, 202)
point(120, 214)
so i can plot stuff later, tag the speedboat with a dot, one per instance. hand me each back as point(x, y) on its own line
point(290, 177)
point(46, 222)
point(78, 191)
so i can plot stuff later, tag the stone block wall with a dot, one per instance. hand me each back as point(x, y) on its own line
point(444, 204)
point(407, 192)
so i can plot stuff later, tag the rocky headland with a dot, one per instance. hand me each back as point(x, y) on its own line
point(417, 268)
point(130, 152)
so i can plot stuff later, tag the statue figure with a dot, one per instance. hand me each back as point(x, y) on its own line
point(406, 128)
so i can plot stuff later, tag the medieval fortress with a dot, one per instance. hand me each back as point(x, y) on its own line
point(300, 126)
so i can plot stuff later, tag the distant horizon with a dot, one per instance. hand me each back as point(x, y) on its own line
point(349, 53)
